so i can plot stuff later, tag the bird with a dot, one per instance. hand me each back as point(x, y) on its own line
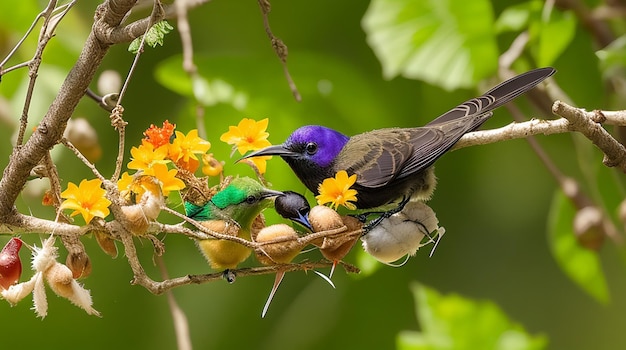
point(294, 206)
point(231, 211)
point(392, 164)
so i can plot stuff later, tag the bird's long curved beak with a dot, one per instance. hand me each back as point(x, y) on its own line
point(276, 150)
point(267, 193)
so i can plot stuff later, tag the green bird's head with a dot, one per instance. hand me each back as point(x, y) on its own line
point(241, 201)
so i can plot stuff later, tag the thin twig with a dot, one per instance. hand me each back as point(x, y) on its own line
point(155, 16)
point(279, 47)
point(188, 63)
point(33, 69)
point(181, 325)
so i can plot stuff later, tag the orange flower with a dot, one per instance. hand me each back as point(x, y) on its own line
point(47, 198)
point(159, 136)
point(87, 199)
point(337, 191)
point(248, 135)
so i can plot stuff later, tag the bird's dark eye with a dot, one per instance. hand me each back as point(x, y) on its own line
point(251, 199)
point(311, 148)
point(304, 210)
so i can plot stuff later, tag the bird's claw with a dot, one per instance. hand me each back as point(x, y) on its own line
point(229, 275)
point(383, 215)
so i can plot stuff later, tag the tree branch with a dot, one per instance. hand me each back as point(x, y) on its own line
point(50, 130)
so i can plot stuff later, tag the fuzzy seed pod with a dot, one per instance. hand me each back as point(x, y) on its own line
point(336, 247)
point(280, 252)
point(137, 222)
point(323, 218)
point(60, 280)
point(139, 216)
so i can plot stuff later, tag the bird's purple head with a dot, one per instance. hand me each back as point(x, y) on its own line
point(318, 144)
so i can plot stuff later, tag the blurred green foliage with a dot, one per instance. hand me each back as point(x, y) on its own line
point(493, 200)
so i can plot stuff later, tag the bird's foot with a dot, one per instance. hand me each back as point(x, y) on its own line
point(229, 275)
point(383, 215)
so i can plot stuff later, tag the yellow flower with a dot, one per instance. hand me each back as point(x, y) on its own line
point(336, 191)
point(168, 179)
point(123, 184)
point(248, 135)
point(184, 147)
point(86, 199)
point(145, 156)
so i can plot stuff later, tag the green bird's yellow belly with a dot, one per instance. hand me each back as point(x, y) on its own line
point(223, 254)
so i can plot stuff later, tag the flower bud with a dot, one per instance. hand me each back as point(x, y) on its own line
point(589, 227)
point(106, 243)
point(10, 264)
point(84, 137)
point(211, 166)
point(79, 263)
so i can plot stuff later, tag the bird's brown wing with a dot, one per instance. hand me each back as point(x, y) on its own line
point(427, 151)
point(385, 153)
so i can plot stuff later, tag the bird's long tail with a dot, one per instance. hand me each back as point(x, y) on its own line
point(496, 97)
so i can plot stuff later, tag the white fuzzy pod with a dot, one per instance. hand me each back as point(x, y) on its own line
point(61, 281)
point(401, 233)
point(19, 291)
point(40, 302)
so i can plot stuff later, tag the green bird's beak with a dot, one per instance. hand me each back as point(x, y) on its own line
point(267, 193)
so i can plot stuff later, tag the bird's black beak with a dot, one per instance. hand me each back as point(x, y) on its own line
point(267, 193)
point(276, 150)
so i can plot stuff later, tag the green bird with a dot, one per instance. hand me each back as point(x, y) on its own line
point(231, 211)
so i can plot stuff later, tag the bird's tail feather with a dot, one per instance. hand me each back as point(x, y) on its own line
point(496, 97)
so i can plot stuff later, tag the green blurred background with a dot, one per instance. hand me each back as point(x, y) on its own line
point(493, 200)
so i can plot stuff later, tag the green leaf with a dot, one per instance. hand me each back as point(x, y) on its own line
point(550, 38)
point(513, 19)
point(455, 322)
point(446, 43)
point(613, 57)
point(154, 37)
point(580, 264)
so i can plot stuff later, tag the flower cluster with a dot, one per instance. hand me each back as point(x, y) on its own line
point(162, 146)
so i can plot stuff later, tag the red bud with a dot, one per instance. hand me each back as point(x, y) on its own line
point(10, 264)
